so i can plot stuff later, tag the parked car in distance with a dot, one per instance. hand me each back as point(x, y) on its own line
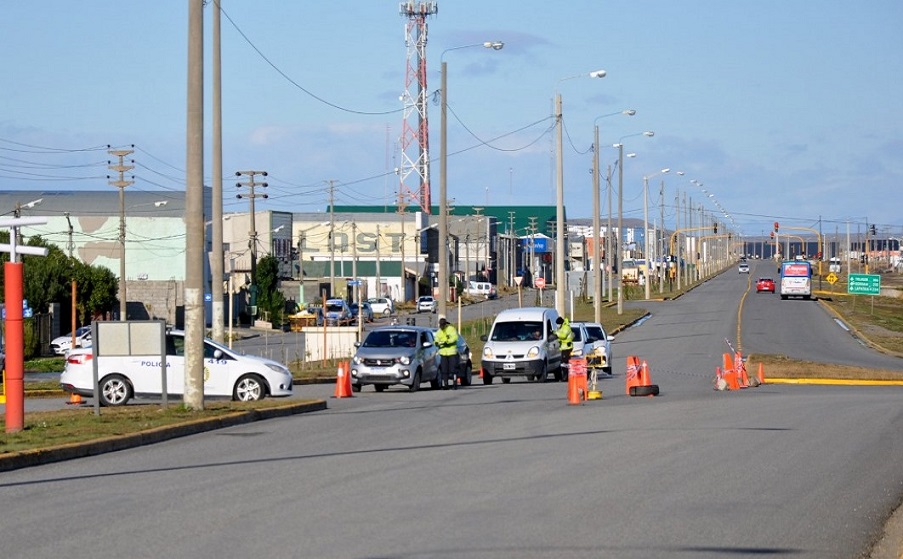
point(597, 348)
point(62, 344)
point(338, 313)
point(382, 305)
point(367, 313)
point(465, 361)
point(390, 355)
point(764, 284)
point(482, 289)
point(743, 268)
point(427, 304)
point(227, 374)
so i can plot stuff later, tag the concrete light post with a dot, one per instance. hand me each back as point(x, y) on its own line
point(620, 251)
point(443, 174)
point(597, 268)
point(560, 276)
point(647, 278)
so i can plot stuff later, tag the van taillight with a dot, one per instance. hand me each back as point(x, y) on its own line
point(79, 359)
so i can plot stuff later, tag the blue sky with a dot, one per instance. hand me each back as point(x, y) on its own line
point(785, 110)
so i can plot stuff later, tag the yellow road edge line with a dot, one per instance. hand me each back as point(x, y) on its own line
point(834, 381)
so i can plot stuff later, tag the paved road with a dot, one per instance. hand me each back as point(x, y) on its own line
point(502, 470)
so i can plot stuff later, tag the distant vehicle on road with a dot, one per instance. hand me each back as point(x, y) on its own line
point(363, 308)
point(427, 304)
point(796, 279)
point(62, 344)
point(381, 305)
point(743, 268)
point(764, 284)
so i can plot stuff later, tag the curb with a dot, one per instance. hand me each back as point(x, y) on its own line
point(27, 458)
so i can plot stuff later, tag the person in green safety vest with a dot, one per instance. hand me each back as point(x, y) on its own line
point(447, 342)
point(566, 338)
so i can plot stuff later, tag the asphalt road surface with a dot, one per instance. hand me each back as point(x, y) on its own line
point(509, 470)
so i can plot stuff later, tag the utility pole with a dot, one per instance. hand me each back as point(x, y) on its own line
point(661, 243)
point(216, 239)
point(194, 211)
point(252, 195)
point(331, 240)
point(121, 183)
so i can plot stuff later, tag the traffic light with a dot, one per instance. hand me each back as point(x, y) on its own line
point(872, 230)
point(715, 227)
point(775, 227)
point(772, 234)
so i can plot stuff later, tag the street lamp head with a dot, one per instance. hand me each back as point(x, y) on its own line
point(494, 45)
point(666, 170)
point(630, 155)
point(598, 74)
point(160, 203)
point(629, 112)
point(649, 133)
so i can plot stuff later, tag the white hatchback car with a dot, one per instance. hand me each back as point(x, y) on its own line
point(227, 374)
point(62, 344)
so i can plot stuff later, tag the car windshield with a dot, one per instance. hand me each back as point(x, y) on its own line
point(390, 338)
point(595, 332)
point(517, 331)
point(334, 308)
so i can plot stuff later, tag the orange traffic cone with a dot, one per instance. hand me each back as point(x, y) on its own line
point(576, 394)
point(761, 375)
point(740, 366)
point(645, 386)
point(74, 400)
point(729, 373)
point(633, 371)
point(343, 382)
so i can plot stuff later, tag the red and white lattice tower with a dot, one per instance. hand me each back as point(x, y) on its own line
point(415, 137)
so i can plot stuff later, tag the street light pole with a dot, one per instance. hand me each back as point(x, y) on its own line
point(648, 280)
point(442, 275)
point(597, 268)
point(560, 276)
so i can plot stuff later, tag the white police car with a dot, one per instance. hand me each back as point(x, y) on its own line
point(227, 374)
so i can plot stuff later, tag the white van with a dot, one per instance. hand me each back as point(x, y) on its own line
point(480, 289)
point(522, 342)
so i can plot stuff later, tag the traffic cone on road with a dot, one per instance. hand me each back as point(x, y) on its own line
point(730, 373)
point(645, 386)
point(343, 381)
point(576, 393)
point(74, 400)
point(761, 375)
point(740, 365)
point(633, 371)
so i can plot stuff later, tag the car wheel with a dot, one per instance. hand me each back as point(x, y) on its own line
point(379, 387)
point(487, 378)
point(115, 391)
point(355, 387)
point(506, 380)
point(467, 375)
point(415, 384)
point(249, 388)
point(387, 312)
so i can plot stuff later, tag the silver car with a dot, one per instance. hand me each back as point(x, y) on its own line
point(596, 345)
point(389, 355)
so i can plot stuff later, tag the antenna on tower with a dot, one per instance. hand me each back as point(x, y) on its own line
point(415, 142)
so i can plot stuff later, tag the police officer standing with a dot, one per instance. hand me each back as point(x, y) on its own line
point(566, 337)
point(447, 341)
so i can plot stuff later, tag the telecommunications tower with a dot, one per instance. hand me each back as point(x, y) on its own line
point(415, 141)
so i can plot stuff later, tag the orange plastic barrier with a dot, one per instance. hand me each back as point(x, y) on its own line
point(633, 373)
point(577, 385)
point(343, 381)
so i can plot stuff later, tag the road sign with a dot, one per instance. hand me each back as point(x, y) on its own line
point(354, 283)
point(864, 284)
point(540, 282)
point(832, 278)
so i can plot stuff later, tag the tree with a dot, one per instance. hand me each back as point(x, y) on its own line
point(269, 298)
